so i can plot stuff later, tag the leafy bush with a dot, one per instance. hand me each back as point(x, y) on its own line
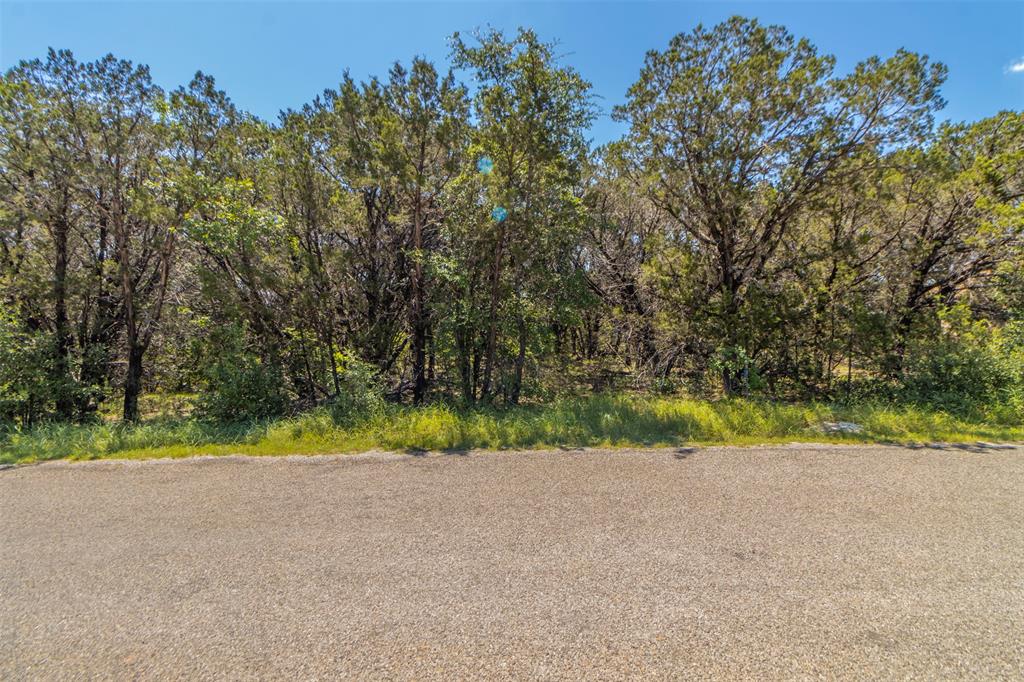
point(1008, 345)
point(742, 371)
point(970, 365)
point(361, 396)
point(240, 386)
point(27, 386)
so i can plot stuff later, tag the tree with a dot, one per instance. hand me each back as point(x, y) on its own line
point(766, 224)
point(734, 130)
point(624, 230)
point(531, 117)
point(41, 168)
point(427, 145)
point(957, 216)
point(149, 173)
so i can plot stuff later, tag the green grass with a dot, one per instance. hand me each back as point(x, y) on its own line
point(603, 420)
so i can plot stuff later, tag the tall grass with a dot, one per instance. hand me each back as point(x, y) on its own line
point(603, 420)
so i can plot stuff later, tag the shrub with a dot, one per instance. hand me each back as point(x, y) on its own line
point(28, 387)
point(971, 365)
point(240, 386)
point(1008, 346)
point(361, 394)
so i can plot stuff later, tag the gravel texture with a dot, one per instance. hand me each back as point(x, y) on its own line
point(773, 562)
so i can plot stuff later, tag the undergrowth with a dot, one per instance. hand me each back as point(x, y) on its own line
point(603, 420)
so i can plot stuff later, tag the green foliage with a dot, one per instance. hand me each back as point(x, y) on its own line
point(25, 385)
point(737, 128)
point(228, 218)
point(532, 114)
point(969, 365)
point(1007, 345)
point(361, 395)
point(768, 225)
point(240, 386)
point(737, 364)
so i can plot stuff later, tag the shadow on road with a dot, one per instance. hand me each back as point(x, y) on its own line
point(979, 446)
point(421, 452)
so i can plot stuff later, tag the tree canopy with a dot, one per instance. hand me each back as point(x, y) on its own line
point(766, 224)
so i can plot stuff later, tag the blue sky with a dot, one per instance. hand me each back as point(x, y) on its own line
point(275, 55)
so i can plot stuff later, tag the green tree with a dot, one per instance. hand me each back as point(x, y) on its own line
point(41, 167)
point(531, 114)
point(427, 145)
point(956, 208)
point(735, 129)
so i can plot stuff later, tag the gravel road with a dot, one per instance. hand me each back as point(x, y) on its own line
point(772, 562)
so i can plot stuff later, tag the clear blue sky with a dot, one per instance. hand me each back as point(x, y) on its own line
point(275, 55)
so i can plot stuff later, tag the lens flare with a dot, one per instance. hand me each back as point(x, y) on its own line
point(485, 165)
point(498, 213)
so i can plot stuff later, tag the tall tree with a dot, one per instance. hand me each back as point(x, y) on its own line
point(957, 215)
point(427, 145)
point(735, 129)
point(531, 114)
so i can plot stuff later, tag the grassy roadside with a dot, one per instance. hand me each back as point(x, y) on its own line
point(615, 421)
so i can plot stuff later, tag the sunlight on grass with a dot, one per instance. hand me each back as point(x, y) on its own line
point(604, 420)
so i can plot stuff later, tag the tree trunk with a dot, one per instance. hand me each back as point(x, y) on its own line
point(492, 321)
point(419, 313)
point(517, 382)
point(899, 350)
point(431, 357)
point(730, 382)
point(476, 373)
point(133, 382)
point(419, 354)
point(464, 352)
point(61, 369)
point(99, 333)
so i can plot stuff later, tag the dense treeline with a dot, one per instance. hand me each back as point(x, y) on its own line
point(766, 225)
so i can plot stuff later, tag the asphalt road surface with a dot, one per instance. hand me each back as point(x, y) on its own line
point(781, 562)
